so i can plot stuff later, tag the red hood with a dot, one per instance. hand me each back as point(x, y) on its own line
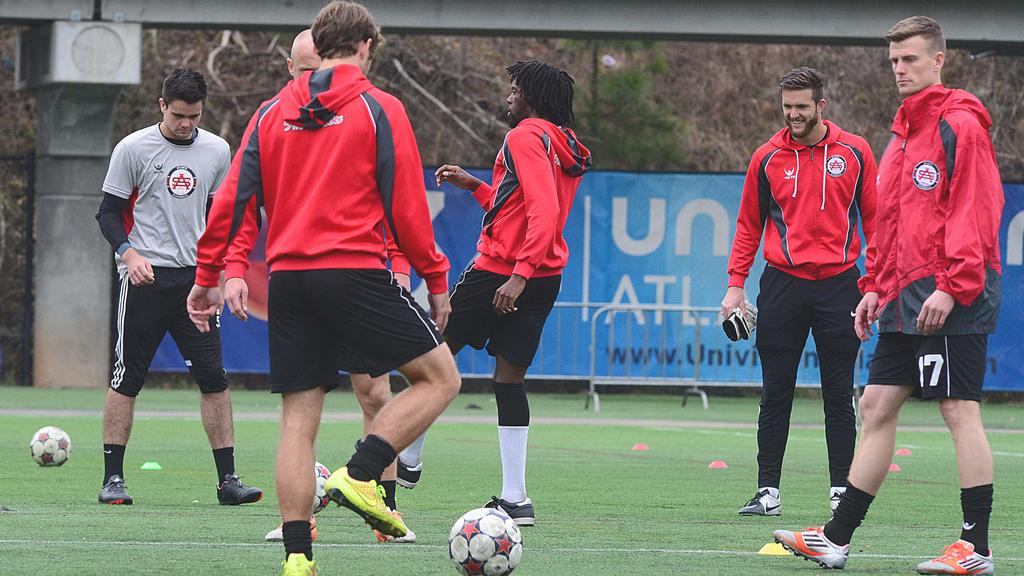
point(937, 102)
point(311, 100)
point(784, 138)
point(566, 146)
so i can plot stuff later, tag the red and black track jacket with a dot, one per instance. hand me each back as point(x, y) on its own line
point(810, 197)
point(940, 200)
point(334, 161)
point(536, 174)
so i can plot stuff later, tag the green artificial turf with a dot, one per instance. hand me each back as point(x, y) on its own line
point(602, 508)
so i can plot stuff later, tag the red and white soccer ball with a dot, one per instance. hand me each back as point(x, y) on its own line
point(320, 499)
point(50, 446)
point(485, 542)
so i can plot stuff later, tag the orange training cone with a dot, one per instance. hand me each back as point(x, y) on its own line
point(641, 447)
point(904, 452)
point(894, 467)
point(718, 464)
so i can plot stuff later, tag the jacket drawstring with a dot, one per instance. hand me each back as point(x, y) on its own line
point(796, 179)
point(824, 173)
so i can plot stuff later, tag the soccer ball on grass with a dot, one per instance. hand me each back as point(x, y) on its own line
point(50, 446)
point(320, 499)
point(485, 542)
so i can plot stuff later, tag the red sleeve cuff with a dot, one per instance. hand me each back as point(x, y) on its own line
point(867, 284)
point(737, 280)
point(207, 277)
point(437, 283)
point(483, 195)
point(524, 269)
point(400, 264)
point(236, 269)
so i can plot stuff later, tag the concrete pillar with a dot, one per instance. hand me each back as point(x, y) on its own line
point(71, 334)
point(75, 69)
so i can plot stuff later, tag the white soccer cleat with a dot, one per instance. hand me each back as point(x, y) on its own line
point(812, 544)
point(767, 502)
point(958, 558)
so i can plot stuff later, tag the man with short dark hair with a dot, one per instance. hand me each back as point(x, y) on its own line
point(157, 192)
point(331, 157)
point(805, 190)
point(933, 284)
point(503, 299)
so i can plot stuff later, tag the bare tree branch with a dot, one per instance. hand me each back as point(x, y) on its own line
point(433, 99)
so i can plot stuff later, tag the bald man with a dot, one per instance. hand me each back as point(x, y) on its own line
point(372, 393)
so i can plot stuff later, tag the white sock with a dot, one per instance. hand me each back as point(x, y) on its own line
point(834, 489)
point(512, 440)
point(413, 455)
point(773, 492)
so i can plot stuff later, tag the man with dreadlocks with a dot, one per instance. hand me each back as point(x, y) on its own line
point(507, 292)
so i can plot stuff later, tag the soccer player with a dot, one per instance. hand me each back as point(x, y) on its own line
point(507, 292)
point(157, 193)
point(933, 283)
point(331, 157)
point(808, 190)
point(372, 393)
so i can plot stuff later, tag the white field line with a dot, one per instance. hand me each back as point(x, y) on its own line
point(432, 548)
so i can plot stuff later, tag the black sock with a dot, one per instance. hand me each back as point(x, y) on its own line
point(977, 506)
point(851, 512)
point(370, 459)
point(389, 493)
point(113, 461)
point(297, 539)
point(225, 460)
point(513, 406)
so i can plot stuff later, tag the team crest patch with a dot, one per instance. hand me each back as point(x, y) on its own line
point(835, 166)
point(181, 181)
point(926, 175)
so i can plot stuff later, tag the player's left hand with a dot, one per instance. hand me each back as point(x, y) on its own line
point(203, 302)
point(506, 296)
point(934, 312)
point(440, 309)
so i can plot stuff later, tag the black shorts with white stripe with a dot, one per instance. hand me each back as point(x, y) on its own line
point(145, 314)
point(936, 366)
point(314, 314)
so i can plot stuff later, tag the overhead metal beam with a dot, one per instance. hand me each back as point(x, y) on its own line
point(978, 25)
point(28, 11)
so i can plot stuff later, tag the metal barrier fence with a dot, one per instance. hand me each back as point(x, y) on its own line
point(642, 345)
point(17, 200)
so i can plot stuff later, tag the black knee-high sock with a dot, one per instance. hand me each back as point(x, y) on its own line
point(297, 539)
point(113, 461)
point(371, 458)
point(851, 512)
point(977, 506)
point(389, 493)
point(513, 406)
point(224, 458)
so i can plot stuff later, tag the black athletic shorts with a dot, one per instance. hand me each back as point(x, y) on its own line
point(314, 314)
point(514, 336)
point(937, 366)
point(145, 314)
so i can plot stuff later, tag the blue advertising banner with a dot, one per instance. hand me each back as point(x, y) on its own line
point(635, 239)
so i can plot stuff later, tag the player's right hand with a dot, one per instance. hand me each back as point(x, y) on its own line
point(457, 176)
point(203, 302)
point(236, 294)
point(440, 309)
point(139, 271)
point(865, 316)
point(734, 298)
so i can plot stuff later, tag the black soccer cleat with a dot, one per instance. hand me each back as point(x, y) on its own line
point(521, 513)
point(232, 492)
point(113, 492)
point(408, 476)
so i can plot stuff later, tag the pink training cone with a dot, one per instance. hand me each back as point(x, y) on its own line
point(718, 464)
point(641, 447)
point(904, 452)
point(894, 467)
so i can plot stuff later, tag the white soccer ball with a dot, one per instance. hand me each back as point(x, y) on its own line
point(485, 542)
point(320, 499)
point(50, 446)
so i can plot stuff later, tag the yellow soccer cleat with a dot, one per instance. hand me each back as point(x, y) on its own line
point(365, 499)
point(409, 537)
point(298, 565)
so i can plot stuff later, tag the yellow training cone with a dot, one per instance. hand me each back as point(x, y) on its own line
point(773, 549)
